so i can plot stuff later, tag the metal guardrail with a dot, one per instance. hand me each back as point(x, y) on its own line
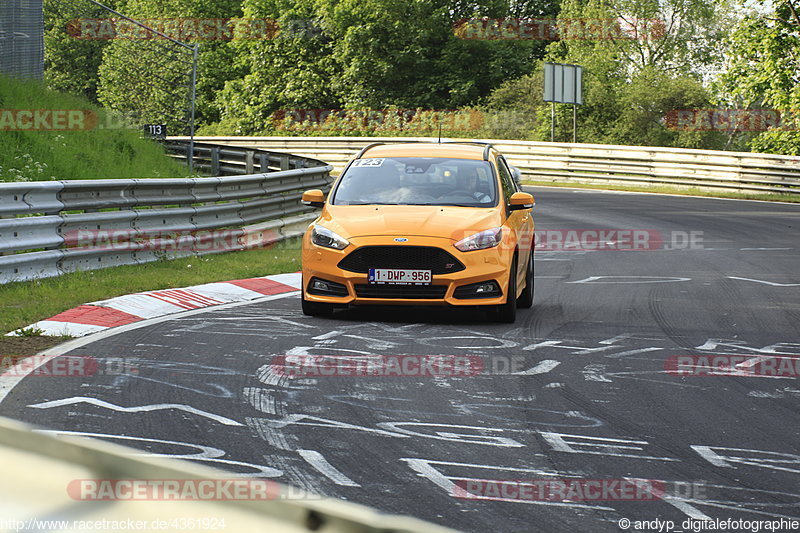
point(566, 163)
point(221, 160)
point(49, 228)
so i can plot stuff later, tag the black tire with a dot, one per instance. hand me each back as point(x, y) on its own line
point(507, 312)
point(316, 308)
point(525, 300)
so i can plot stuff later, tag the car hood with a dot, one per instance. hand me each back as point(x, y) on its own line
point(453, 223)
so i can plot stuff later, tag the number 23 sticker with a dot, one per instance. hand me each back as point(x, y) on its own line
point(368, 162)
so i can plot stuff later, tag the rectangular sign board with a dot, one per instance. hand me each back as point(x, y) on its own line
point(563, 83)
point(155, 131)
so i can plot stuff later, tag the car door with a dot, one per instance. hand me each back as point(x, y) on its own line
point(519, 221)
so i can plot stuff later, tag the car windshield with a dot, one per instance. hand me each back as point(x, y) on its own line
point(417, 181)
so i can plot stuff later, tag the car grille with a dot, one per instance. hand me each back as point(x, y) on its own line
point(411, 292)
point(430, 258)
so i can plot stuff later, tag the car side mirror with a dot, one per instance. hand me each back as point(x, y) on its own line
point(521, 200)
point(314, 198)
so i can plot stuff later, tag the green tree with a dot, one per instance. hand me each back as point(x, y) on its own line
point(408, 54)
point(149, 78)
point(71, 59)
point(372, 54)
point(510, 111)
point(647, 101)
point(642, 59)
point(761, 71)
point(293, 70)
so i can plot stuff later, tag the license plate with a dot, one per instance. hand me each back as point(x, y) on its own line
point(396, 276)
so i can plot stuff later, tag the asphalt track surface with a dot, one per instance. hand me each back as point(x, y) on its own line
point(591, 396)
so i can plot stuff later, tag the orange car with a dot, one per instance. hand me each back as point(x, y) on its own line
point(421, 224)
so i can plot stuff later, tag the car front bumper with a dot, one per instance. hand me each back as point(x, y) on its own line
point(492, 264)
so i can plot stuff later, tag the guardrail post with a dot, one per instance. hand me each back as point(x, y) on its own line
point(284, 162)
point(249, 155)
point(1, 218)
point(189, 155)
point(215, 161)
point(263, 163)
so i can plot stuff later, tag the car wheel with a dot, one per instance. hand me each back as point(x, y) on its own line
point(316, 308)
point(525, 300)
point(507, 312)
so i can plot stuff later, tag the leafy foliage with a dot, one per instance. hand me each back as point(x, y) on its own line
point(151, 78)
point(389, 56)
point(372, 54)
point(637, 73)
point(71, 64)
point(762, 72)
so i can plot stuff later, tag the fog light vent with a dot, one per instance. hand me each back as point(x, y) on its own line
point(483, 289)
point(323, 287)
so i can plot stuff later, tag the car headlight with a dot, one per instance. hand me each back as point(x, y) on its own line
point(480, 241)
point(326, 238)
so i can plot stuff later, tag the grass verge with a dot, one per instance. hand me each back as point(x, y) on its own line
point(663, 189)
point(14, 348)
point(27, 302)
point(98, 146)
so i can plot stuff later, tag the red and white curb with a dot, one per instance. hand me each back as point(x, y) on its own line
point(98, 316)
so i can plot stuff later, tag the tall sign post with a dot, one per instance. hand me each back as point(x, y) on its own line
point(563, 84)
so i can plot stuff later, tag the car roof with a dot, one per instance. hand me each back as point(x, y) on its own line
point(432, 149)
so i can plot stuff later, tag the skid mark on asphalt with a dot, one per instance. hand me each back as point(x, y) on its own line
point(264, 400)
point(295, 472)
point(599, 373)
point(274, 437)
point(318, 461)
point(595, 373)
point(269, 375)
point(779, 393)
point(211, 389)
